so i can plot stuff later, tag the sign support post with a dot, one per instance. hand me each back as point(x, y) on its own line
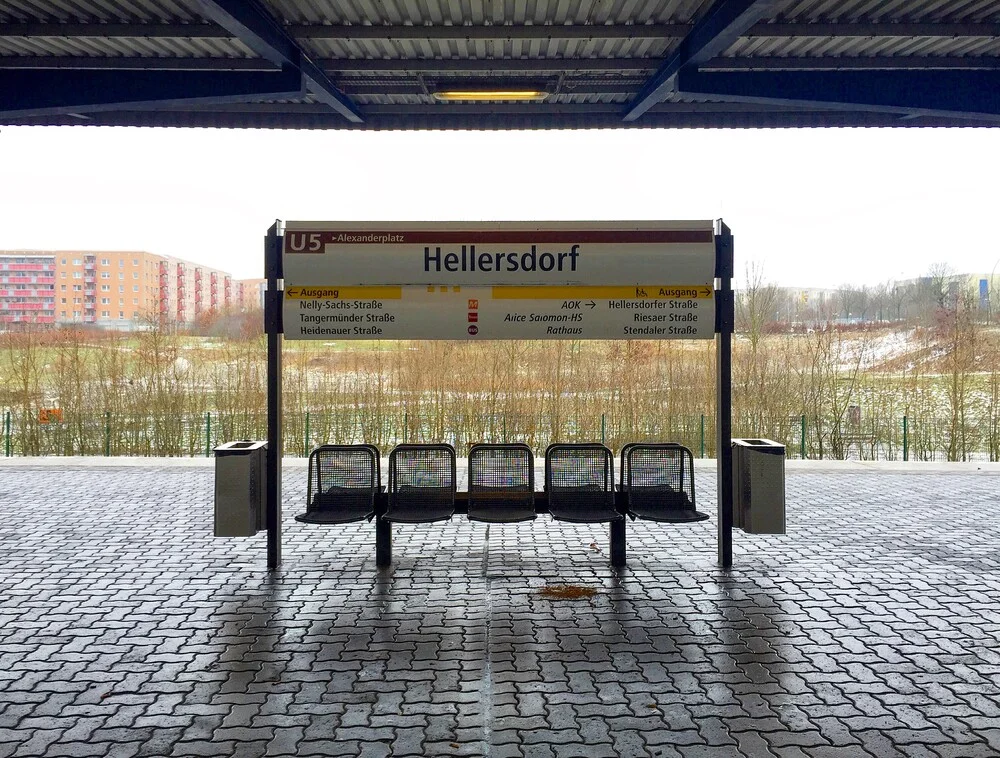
point(500, 280)
point(272, 328)
point(725, 318)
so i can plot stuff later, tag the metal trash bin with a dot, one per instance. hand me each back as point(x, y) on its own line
point(759, 486)
point(240, 477)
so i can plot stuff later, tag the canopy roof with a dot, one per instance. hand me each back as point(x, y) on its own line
point(377, 64)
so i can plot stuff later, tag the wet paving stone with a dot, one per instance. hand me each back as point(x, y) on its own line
point(872, 628)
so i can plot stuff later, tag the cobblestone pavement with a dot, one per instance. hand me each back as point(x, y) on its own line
point(126, 629)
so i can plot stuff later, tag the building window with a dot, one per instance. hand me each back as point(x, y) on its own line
point(104, 261)
point(105, 287)
point(105, 301)
point(121, 314)
point(105, 275)
point(62, 287)
point(62, 275)
point(135, 287)
point(135, 261)
point(121, 263)
point(63, 302)
point(63, 314)
point(77, 287)
point(135, 275)
point(77, 261)
point(64, 263)
point(77, 301)
point(121, 301)
point(135, 301)
point(121, 288)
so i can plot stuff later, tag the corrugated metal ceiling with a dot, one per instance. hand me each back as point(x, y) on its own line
point(593, 56)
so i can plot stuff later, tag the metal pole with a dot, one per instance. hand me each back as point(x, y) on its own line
point(703, 435)
point(272, 327)
point(6, 424)
point(724, 325)
point(107, 434)
point(406, 423)
point(603, 429)
point(305, 453)
point(906, 447)
point(618, 542)
point(208, 434)
point(802, 439)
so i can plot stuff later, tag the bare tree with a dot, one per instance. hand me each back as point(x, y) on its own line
point(755, 304)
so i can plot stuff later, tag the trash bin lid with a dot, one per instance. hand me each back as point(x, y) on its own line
point(240, 446)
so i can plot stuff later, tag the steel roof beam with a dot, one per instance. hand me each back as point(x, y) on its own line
point(613, 66)
point(488, 65)
point(502, 31)
point(466, 109)
point(490, 32)
point(121, 63)
point(113, 30)
point(485, 120)
point(724, 23)
point(881, 29)
point(955, 94)
point(842, 63)
point(39, 93)
point(255, 27)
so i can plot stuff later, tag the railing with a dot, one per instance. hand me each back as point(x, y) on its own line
point(112, 434)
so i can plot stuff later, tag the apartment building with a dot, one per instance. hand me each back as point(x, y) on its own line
point(108, 289)
point(188, 291)
point(114, 290)
point(27, 288)
point(251, 294)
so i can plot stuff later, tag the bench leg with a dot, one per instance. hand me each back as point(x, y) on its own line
point(383, 542)
point(618, 542)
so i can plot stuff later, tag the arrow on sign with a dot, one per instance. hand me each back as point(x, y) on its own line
point(292, 292)
point(591, 304)
point(706, 291)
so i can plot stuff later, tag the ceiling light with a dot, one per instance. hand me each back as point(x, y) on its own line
point(478, 95)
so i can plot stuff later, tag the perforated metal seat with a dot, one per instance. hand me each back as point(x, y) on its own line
point(579, 482)
point(501, 483)
point(658, 480)
point(422, 483)
point(343, 483)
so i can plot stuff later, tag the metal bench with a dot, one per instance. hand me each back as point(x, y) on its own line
point(344, 481)
point(658, 482)
point(501, 483)
point(422, 484)
point(579, 483)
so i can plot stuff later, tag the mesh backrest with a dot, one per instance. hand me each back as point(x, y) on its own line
point(495, 467)
point(343, 470)
point(663, 470)
point(421, 467)
point(579, 467)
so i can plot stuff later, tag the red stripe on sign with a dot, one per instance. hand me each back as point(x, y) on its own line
point(304, 241)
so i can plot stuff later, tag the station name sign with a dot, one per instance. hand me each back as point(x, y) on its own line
point(498, 253)
point(499, 280)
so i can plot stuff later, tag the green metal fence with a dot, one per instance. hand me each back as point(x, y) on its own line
point(862, 438)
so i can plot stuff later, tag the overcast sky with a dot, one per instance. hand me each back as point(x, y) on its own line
point(813, 207)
